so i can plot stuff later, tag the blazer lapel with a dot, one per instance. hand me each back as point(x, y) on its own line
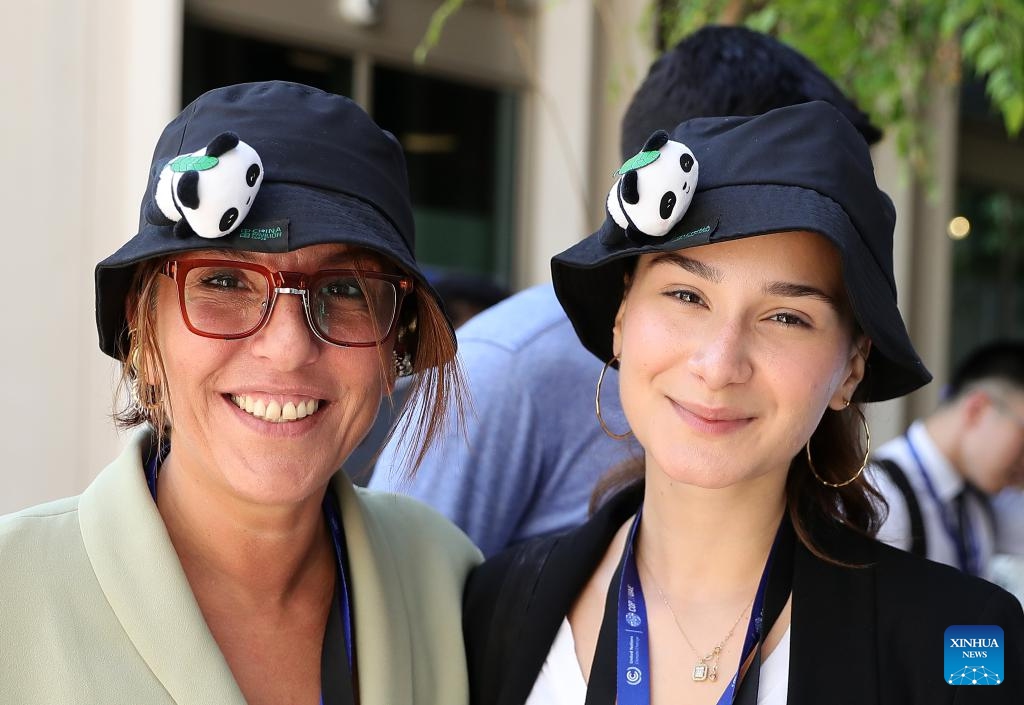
point(381, 620)
point(565, 572)
point(833, 646)
point(145, 585)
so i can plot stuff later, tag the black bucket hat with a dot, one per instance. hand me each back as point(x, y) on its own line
point(325, 173)
point(802, 167)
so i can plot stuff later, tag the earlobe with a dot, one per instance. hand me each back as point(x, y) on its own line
point(974, 402)
point(857, 366)
point(619, 315)
point(617, 330)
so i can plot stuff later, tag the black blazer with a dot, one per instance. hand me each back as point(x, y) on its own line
point(870, 635)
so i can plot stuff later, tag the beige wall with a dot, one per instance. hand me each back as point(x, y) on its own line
point(922, 256)
point(87, 92)
point(579, 89)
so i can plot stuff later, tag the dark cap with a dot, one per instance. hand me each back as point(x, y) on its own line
point(802, 167)
point(328, 174)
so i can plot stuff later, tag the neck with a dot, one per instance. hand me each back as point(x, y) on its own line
point(264, 554)
point(945, 428)
point(702, 543)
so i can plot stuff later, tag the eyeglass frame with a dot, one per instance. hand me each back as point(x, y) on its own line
point(284, 282)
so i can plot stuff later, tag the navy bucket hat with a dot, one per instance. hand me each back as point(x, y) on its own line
point(802, 167)
point(325, 173)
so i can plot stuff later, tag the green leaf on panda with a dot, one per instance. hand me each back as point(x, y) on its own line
point(638, 161)
point(191, 162)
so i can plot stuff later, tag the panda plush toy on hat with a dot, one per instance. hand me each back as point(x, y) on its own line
point(654, 189)
point(210, 191)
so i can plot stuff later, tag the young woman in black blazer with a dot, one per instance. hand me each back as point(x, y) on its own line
point(742, 284)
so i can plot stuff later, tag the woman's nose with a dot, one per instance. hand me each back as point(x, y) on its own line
point(720, 356)
point(287, 339)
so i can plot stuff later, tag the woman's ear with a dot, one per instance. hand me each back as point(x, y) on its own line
point(856, 366)
point(620, 314)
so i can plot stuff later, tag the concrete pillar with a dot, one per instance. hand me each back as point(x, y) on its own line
point(922, 254)
point(87, 92)
point(557, 137)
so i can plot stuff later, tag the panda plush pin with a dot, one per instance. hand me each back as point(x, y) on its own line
point(210, 191)
point(653, 190)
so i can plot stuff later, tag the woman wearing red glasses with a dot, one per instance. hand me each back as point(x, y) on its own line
point(261, 313)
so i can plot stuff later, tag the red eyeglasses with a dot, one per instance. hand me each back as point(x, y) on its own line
point(229, 300)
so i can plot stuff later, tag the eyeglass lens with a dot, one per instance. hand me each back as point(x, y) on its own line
point(342, 307)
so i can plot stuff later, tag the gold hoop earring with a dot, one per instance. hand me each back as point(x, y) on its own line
point(597, 405)
point(864, 463)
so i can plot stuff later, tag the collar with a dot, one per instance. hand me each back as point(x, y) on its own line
point(121, 527)
point(947, 482)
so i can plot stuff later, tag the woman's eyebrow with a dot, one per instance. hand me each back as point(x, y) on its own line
point(695, 267)
point(789, 290)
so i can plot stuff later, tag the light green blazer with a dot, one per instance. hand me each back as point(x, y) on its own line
point(95, 606)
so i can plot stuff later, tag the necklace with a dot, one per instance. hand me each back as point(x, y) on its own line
point(706, 668)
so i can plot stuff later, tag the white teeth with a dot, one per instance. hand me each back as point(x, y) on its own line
point(273, 411)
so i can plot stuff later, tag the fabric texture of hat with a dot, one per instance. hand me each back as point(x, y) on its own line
point(802, 167)
point(325, 173)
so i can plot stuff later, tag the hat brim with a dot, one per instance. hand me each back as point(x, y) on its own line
point(308, 216)
point(589, 277)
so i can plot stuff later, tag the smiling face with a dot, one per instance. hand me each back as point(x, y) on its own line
point(730, 353)
point(231, 401)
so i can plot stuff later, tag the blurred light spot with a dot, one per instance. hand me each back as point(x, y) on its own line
point(959, 228)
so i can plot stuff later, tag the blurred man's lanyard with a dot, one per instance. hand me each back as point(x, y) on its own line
point(957, 528)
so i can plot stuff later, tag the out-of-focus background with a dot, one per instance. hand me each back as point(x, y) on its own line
point(511, 130)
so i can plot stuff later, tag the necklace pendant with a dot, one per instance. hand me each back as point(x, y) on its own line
point(700, 672)
point(713, 674)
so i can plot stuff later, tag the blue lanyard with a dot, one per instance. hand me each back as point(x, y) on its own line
point(967, 556)
point(338, 539)
point(331, 514)
point(633, 662)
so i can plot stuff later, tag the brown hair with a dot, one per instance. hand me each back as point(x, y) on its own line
point(422, 331)
point(138, 398)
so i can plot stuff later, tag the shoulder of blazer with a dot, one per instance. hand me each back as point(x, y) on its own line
point(873, 631)
point(515, 602)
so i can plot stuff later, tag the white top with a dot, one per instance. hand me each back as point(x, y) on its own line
point(561, 681)
point(895, 531)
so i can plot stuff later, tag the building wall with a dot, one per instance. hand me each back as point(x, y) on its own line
point(93, 84)
point(87, 90)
